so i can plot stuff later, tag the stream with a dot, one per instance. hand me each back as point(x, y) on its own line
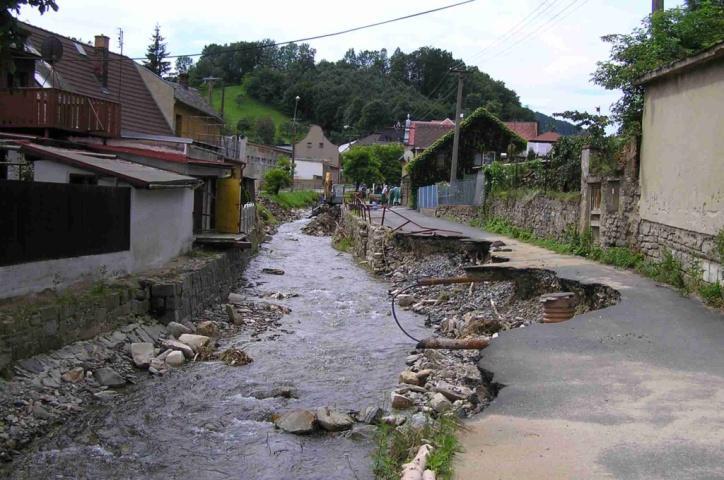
point(338, 347)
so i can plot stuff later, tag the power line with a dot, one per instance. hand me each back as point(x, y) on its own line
point(306, 39)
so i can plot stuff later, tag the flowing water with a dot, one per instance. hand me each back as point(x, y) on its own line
point(204, 420)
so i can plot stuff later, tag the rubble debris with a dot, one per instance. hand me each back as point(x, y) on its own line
point(235, 357)
point(273, 271)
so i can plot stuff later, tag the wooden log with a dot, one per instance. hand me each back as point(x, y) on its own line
point(415, 469)
point(441, 343)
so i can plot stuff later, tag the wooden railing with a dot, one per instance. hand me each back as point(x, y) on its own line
point(51, 108)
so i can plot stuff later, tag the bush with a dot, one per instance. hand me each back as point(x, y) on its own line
point(275, 179)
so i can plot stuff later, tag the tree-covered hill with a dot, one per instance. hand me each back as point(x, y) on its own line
point(364, 91)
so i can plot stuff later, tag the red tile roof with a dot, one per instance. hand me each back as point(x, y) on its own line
point(527, 130)
point(547, 137)
point(77, 73)
point(424, 134)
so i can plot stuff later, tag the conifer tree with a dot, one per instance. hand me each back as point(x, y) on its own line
point(156, 54)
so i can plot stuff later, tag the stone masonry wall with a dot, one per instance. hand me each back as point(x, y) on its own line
point(546, 217)
point(370, 243)
point(33, 326)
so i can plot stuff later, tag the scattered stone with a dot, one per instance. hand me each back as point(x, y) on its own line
point(405, 300)
point(439, 403)
point(234, 317)
point(74, 375)
point(298, 422)
point(393, 420)
point(273, 271)
point(418, 421)
point(180, 346)
point(175, 359)
point(409, 378)
point(235, 357)
point(411, 359)
point(333, 421)
point(196, 342)
point(236, 299)
point(108, 377)
point(371, 415)
point(207, 328)
point(453, 392)
point(424, 374)
point(142, 354)
point(177, 329)
point(158, 366)
point(106, 394)
point(400, 402)
point(361, 433)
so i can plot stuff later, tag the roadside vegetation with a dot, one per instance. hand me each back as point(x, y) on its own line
point(295, 199)
point(668, 270)
point(397, 446)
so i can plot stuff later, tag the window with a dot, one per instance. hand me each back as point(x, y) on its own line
point(80, 49)
point(321, 144)
point(309, 144)
point(82, 179)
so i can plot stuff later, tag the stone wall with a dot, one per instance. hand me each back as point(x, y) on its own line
point(545, 216)
point(370, 243)
point(33, 325)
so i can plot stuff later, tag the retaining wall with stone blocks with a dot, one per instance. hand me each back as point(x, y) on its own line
point(370, 243)
point(40, 324)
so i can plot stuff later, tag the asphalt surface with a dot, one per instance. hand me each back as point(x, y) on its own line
point(634, 391)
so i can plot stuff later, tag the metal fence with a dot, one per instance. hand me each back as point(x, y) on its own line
point(461, 192)
point(42, 221)
point(248, 218)
point(427, 197)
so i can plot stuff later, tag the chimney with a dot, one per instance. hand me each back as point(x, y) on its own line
point(183, 80)
point(101, 46)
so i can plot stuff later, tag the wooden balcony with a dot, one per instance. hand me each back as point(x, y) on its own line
point(54, 109)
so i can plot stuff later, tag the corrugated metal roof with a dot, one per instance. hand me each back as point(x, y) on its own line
point(77, 73)
point(131, 173)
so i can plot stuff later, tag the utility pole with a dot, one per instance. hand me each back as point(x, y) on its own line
point(456, 138)
point(294, 139)
point(657, 5)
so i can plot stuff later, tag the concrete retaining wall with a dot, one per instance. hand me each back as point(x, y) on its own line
point(32, 326)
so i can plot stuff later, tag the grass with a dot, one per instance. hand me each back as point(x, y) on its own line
point(265, 215)
point(343, 244)
point(668, 270)
point(247, 108)
point(398, 446)
point(296, 199)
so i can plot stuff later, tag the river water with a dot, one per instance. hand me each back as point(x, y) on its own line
point(204, 420)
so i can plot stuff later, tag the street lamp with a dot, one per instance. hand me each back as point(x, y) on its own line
point(294, 141)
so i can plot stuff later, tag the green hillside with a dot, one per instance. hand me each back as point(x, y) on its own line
point(246, 108)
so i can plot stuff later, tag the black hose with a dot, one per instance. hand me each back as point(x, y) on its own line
point(394, 314)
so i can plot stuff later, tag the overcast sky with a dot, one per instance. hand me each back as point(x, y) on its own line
point(547, 60)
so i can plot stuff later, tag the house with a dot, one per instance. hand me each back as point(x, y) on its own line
point(85, 215)
point(682, 161)
point(543, 143)
point(418, 135)
point(481, 132)
point(260, 159)
point(314, 156)
point(110, 104)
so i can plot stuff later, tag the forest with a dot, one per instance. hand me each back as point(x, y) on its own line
point(363, 91)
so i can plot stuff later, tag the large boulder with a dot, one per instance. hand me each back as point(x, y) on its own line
point(207, 328)
point(177, 329)
point(453, 392)
point(400, 402)
point(439, 403)
point(299, 422)
point(180, 346)
point(175, 359)
point(196, 342)
point(108, 377)
point(410, 378)
point(142, 354)
point(405, 300)
point(333, 421)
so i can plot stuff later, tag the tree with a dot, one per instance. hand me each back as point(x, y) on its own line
point(663, 37)
point(388, 157)
point(156, 54)
point(361, 167)
point(373, 116)
point(279, 176)
point(10, 34)
point(265, 130)
point(243, 127)
point(183, 64)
